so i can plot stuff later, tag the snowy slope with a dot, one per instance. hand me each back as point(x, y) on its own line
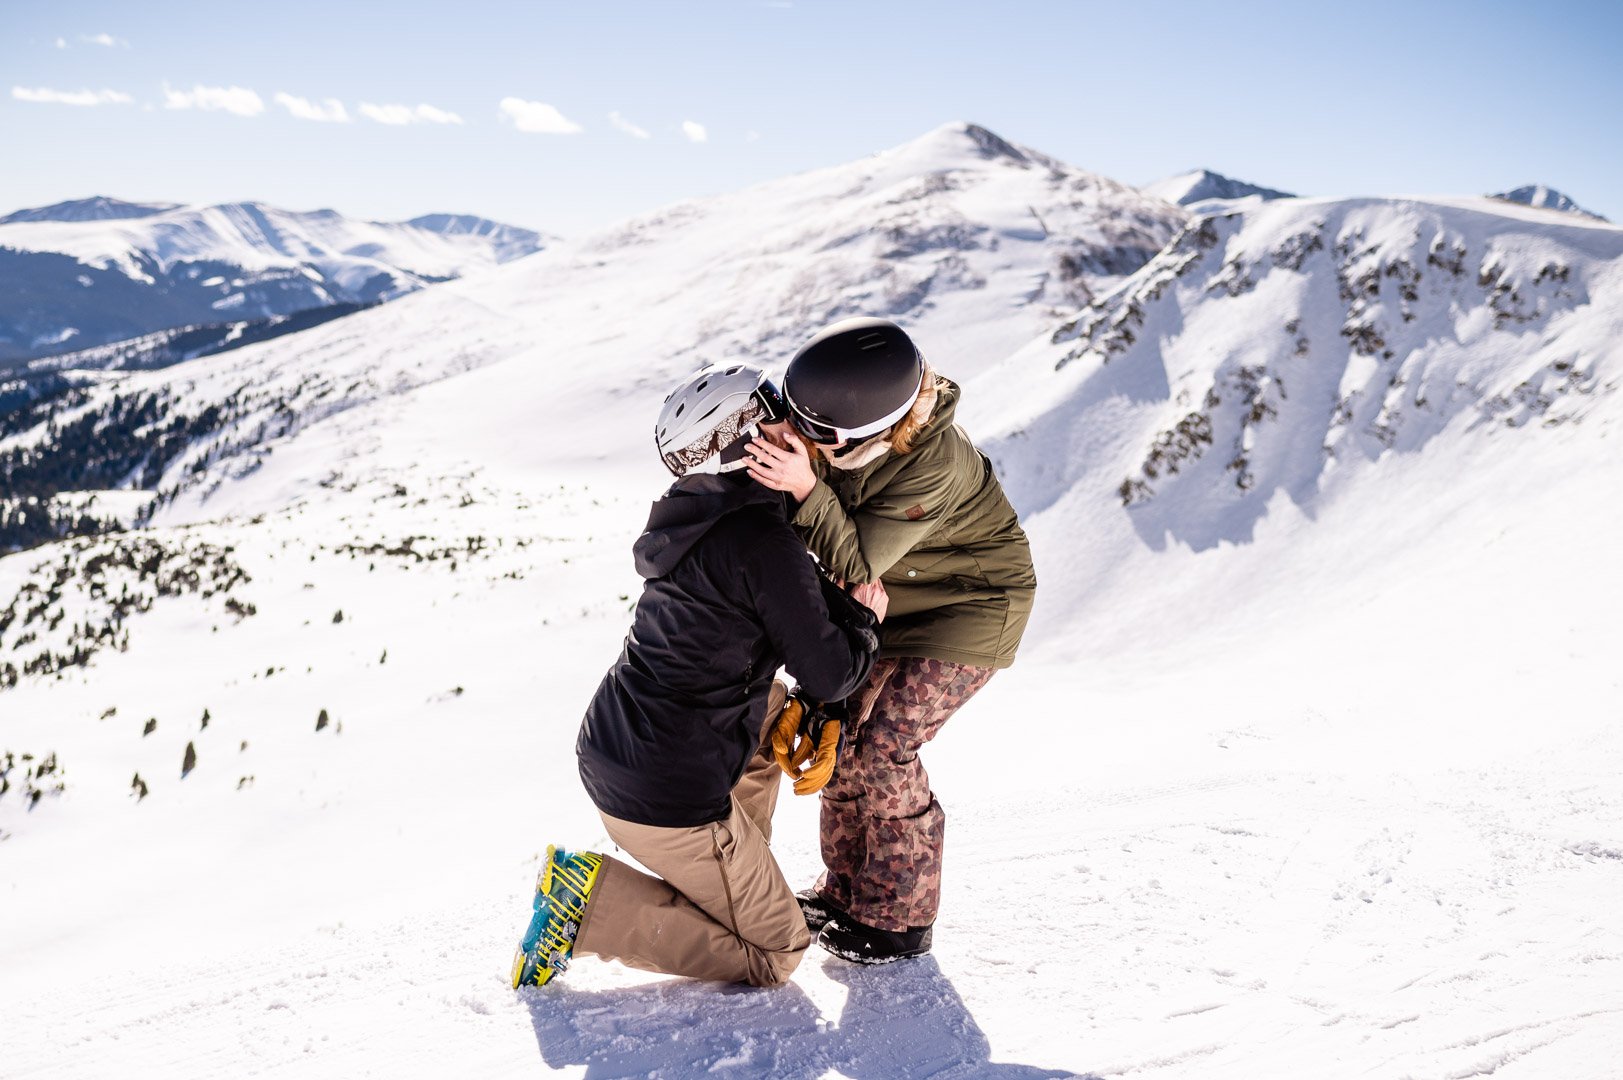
point(97, 271)
point(1307, 767)
point(1271, 350)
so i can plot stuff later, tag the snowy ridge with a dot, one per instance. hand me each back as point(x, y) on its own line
point(1198, 187)
point(101, 272)
point(1277, 345)
point(255, 236)
point(97, 208)
point(1545, 198)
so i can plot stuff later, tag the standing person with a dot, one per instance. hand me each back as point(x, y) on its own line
point(897, 494)
point(730, 595)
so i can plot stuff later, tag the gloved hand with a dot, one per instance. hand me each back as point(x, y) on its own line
point(809, 734)
point(825, 735)
point(785, 733)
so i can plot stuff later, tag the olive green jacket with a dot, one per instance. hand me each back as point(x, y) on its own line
point(933, 525)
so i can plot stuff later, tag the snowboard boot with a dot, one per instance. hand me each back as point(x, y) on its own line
point(863, 944)
point(818, 909)
point(561, 891)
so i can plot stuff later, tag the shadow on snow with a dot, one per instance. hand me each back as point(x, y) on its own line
point(898, 1021)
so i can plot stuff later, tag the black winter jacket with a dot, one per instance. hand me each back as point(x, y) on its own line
point(730, 595)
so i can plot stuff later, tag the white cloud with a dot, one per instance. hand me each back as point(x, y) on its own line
point(231, 99)
point(400, 115)
point(752, 136)
point(397, 115)
point(622, 124)
point(437, 116)
point(695, 132)
point(61, 43)
point(102, 39)
point(537, 118)
point(43, 96)
point(331, 111)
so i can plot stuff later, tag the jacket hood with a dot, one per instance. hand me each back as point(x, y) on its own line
point(681, 517)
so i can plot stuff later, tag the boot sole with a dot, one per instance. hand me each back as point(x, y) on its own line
point(871, 961)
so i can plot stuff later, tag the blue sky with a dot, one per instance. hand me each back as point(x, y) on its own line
point(1377, 98)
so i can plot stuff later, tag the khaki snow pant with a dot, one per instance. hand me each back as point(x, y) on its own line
point(757, 789)
point(720, 908)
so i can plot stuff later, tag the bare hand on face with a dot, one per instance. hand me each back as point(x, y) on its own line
point(872, 595)
point(782, 469)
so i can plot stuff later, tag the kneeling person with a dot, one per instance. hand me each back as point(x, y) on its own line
point(730, 595)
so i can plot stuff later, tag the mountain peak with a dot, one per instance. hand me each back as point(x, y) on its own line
point(1545, 198)
point(95, 208)
point(990, 145)
point(953, 140)
point(1199, 185)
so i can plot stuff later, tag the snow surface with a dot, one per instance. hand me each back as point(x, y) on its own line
point(1313, 775)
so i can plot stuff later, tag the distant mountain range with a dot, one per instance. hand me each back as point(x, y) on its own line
point(91, 272)
point(96, 208)
point(976, 243)
point(1204, 191)
point(1545, 198)
point(1202, 185)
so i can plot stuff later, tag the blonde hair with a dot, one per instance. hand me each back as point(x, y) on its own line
point(918, 418)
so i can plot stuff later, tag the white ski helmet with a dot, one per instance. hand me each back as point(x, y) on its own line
point(709, 419)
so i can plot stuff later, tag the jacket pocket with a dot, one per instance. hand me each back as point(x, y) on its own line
point(920, 567)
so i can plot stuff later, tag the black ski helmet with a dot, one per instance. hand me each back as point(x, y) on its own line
point(853, 380)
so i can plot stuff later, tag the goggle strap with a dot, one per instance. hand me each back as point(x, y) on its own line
point(862, 432)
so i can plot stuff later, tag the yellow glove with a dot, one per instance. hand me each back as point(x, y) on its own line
point(785, 733)
point(821, 769)
point(805, 734)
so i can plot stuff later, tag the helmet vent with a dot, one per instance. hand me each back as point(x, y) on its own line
point(871, 341)
point(680, 408)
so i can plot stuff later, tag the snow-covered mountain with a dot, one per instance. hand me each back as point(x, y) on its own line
point(1545, 198)
point(95, 208)
point(1268, 361)
point(506, 242)
point(96, 271)
point(1307, 767)
point(977, 243)
point(1201, 189)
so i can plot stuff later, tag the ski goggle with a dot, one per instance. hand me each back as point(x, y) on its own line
point(769, 409)
point(771, 399)
point(825, 432)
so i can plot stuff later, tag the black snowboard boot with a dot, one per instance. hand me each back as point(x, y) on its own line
point(817, 908)
point(863, 944)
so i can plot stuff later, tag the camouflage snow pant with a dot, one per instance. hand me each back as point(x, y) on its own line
point(882, 829)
